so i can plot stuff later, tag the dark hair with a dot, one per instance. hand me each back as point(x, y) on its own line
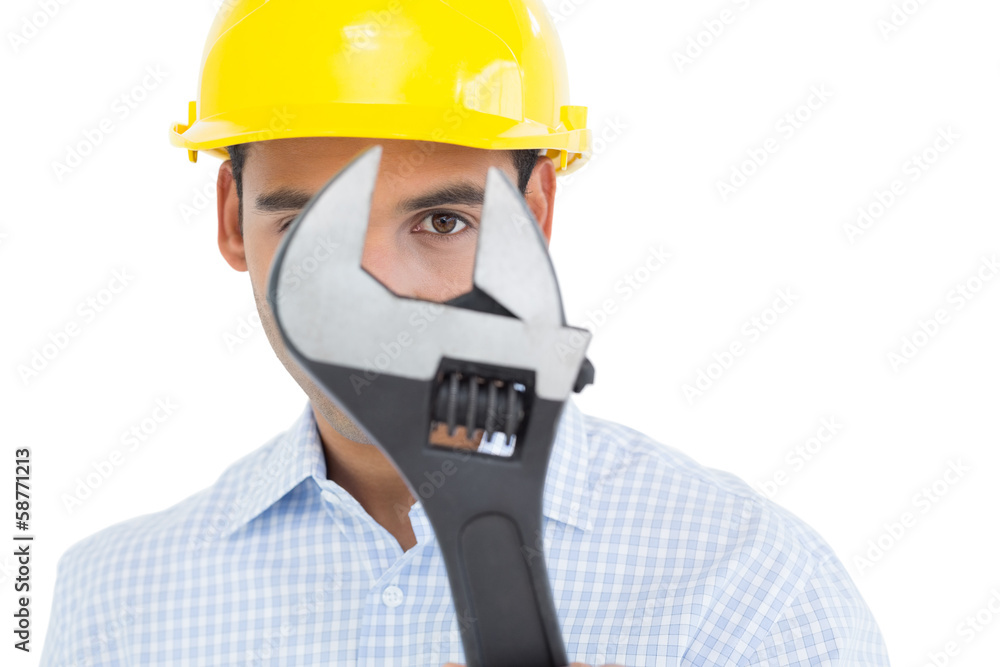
point(524, 163)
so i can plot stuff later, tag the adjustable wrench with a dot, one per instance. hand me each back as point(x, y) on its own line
point(499, 357)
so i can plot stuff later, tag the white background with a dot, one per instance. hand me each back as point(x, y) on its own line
point(672, 132)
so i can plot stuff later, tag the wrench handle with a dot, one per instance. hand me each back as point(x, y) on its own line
point(487, 516)
point(488, 521)
point(505, 606)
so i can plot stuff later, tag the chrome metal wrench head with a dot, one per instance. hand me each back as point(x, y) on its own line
point(339, 314)
point(502, 348)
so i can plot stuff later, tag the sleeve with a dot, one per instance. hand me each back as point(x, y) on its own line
point(827, 625)
point(54, 650)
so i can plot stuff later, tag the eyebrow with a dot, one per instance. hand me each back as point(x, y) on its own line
point(282, 199)
point(455, 193)
point(289, 199)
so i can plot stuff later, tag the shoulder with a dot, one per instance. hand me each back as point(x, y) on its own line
point(124, 548)
point(745, 572)
point(108, 582)
point(627, 465)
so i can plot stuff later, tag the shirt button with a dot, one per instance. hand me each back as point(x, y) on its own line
point(392, 596)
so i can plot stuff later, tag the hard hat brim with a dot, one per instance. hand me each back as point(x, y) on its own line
point(457, 126)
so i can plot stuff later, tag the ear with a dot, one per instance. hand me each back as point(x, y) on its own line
point(541, 194)
point(230, 236)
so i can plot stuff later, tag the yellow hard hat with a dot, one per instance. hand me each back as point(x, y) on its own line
point(481, 73)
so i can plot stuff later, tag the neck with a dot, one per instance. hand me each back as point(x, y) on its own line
point(371, 479)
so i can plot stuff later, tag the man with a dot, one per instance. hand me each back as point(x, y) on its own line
point(311, 550)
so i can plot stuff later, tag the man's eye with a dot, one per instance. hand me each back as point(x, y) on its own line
point(442, 224)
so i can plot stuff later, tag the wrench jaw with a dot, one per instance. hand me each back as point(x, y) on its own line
point(331, 311)
point(508, 333)
point(512, 263)
point(319, 257)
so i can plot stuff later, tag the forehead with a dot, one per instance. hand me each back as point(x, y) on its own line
point(311, 161)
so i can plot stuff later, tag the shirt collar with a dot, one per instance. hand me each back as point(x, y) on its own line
point(281, 465)
point(297, 454)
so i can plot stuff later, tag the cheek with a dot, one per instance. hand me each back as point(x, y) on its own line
point(424, 270)
point(448, 272)
point(260, 250)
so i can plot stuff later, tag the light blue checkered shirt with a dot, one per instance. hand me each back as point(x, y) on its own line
point(653, 560)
